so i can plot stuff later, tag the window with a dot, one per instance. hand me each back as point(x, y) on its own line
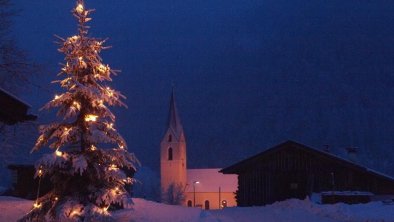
point(206, 205)
point(170, 138)
point(189, 203)
point(224, 203)
point(170, 153)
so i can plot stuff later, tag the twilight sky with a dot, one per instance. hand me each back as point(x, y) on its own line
point(248, 74)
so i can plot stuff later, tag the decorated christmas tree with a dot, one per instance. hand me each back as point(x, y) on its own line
point(89, 159)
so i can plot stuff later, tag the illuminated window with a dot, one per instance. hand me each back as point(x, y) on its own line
point(170, 153)
point(189, 203)
point(224, 203)
point(206, 205)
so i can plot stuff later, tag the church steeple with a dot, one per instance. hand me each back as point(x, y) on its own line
point(173, 153)
point(174, 122)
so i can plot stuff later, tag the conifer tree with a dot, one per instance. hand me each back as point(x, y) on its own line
point(89, 155)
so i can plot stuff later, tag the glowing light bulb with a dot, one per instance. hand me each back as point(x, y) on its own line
point(91, 118)
point(113, 167)
point(79, 8)
point(66, 130)
point(37, 205)
point(57, 96)
point(93, 147)
point(40, 172)
point(102, 68)
point(100, 102)
point(59, 153)
point(110, 126)
point(110, 92)
point(73, 38)
point(75, 213)
point(77, 105)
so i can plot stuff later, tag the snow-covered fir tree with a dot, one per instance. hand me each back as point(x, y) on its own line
point(89, 156)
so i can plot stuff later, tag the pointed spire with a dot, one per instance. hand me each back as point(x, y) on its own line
point(174, 122)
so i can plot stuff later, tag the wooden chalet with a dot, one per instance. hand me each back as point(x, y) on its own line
point(293, 170)
point(13, 110)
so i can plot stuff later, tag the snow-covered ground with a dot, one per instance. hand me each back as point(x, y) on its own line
point(291, 210)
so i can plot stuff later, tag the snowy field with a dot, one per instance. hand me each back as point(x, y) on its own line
point(291, 210)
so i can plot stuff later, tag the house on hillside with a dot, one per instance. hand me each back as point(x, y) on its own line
point(293, 170)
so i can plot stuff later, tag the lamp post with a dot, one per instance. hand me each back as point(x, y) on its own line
point(194, 192)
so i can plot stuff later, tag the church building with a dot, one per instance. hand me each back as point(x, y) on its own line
point(204, 188)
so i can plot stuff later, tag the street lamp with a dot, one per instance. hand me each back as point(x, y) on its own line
point(194, 192)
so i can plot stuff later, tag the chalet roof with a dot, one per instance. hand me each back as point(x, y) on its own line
point(210, 180)
point(250, 162)
point(13, 109)
point(174, 122)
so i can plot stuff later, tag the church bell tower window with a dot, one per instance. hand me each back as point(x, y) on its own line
point(170, 138)
point(170, 153)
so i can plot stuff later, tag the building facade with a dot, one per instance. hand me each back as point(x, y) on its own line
point(210, 189)
point(204, 188)
point(293, 170)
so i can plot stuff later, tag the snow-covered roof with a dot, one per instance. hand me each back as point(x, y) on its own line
point(210, 180)
point(15, 97)
point(250, 161)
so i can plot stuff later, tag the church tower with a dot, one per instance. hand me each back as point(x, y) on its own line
point(173, 152)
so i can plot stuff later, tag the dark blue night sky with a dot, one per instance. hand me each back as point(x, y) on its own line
point(248, 74)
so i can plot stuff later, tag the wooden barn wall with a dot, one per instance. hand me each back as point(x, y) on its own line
point(295, 173)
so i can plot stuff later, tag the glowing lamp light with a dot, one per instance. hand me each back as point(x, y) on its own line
point(79, 8)
point(90, 118)
point(57, 97)
point(93, 147)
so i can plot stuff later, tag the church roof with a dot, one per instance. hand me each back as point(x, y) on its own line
point(210, 180)
point(174, 122)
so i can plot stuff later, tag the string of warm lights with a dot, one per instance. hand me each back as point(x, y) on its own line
point(87, 124)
